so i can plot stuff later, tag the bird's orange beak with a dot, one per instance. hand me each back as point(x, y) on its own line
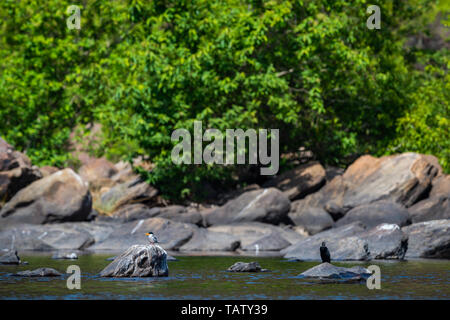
point(147, 234)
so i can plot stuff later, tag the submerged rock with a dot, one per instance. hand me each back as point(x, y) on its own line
point(246, 267)
point(327, 271)
point(10, 257)
point(40, 272)
point(139, 261)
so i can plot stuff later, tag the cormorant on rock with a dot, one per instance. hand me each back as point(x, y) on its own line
point(324, 253)
point(151, 237)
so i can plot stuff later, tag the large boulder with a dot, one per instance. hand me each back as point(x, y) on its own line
point(60, 197)
point(250, 233)
point(139, 261)
point(437, 205)
point(263, 205)
point(46, 237)
point(386, 241)
point(271, 242)
point(205, 240)
point(327, 271)
point(134, 191)
point(403, 178)
point(97, 170)
point(343, 243)
point(300, 181)
point(429, 239)
point(16, 171)
point(181, 214)
point(171, 234)
point(134, 211)
point(10, 258)
point(375, 213)
point(313, 218)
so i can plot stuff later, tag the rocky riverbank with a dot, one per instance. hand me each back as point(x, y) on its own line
point(378, 208)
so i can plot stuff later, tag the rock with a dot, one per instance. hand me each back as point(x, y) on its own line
point(343, 243)
point(300, 181)
point(139, 261)
point(250, 232)
point(386, 241)
point(133, 191)
point(125, 173)
point(48, 170)
point(263, 205)
point(60, 197)
point(271, 242)
point(437, 205)
point(330, 272)
point(135, 211)
point(97, 170)
point(170, 258)
point(313, 219)
point(429, 239)
point(375, 213)
point(181, 214)
point(46, 237)
point(40, 272)
point(205, 240)
point(65, 255)
point(403, 178)
point(171, 234)
point(10, 257)
point(246, 267)
point(332, 172)
point(16, 171)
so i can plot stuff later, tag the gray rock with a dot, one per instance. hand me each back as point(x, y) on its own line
point(429, 239)
point(170, 258)
point(206, 240)
point(343, 243)
point(135, 211)
point(263, 205)
point(16, 171)
point(139, 261)
point(10, 257)
point(47, 201)
point(386, 241)
point(40, 272)
point(65, 256)
point(300, 181)
point(328, 271)
point(271, 242)
point(171, 234)
point(250, 232)
point(133, 191)
point(246, 267)
point(373, 214)
point(313, 219)
point(181, 214)
point(437, 205)
point(65, 236)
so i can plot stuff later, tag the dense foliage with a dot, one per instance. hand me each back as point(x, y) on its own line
point(144, 68)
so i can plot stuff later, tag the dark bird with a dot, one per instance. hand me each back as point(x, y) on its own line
point(324, 253)
point(151, 237)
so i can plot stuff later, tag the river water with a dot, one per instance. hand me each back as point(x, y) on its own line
point(204, 277)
